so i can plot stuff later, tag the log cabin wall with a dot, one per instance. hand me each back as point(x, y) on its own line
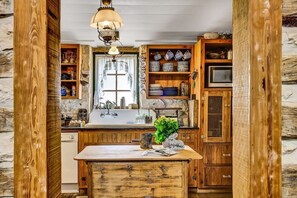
point(6, 98)
point(257, 98)
point(289, 99)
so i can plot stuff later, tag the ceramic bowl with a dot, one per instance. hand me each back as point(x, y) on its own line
point(211, 35)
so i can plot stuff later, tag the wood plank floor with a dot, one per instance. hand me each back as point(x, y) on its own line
point(191, 195)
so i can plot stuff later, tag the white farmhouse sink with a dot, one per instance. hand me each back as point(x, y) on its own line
point(126, 118)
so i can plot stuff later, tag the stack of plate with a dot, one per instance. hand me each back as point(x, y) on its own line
point(168, 67)
point(182, 66)
point(170, 91)
point(155, 90)
point(154, 66)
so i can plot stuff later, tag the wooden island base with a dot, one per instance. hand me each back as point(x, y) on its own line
point(122, 171)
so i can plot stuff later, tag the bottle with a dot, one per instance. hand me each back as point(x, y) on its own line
point(73, 91)
point(229, 54)
point(123, 103)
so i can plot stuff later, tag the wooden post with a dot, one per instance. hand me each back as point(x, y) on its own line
point(257, 98)
point(37, 147)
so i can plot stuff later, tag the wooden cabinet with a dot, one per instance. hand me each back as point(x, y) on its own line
point(215, 142)
point(125, 137)
point(217, 116)
point(70, 71)
point(170, 76)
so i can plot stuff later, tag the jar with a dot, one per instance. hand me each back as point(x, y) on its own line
point(73, 93)
point(184, 89)
point(229, 54)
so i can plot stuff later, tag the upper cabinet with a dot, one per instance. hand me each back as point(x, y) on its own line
point(214, 63)
point(168, 69)
point(70, 71)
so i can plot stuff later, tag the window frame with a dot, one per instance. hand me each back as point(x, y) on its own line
point(136, 75)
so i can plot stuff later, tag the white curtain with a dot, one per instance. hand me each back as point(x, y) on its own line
point(125, 64)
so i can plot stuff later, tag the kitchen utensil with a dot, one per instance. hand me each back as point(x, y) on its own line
point(169, 55)
point(157, 56)
point(178, 55)
point(187, 55)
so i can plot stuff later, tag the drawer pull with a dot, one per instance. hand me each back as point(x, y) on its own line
point(226, 154)
point(226, 176)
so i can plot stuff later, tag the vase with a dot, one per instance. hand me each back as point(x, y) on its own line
point(172, 143)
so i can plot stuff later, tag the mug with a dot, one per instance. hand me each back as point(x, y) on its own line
point(157, 56)
point(187, 55)
point(169, 55)
point(178, 55)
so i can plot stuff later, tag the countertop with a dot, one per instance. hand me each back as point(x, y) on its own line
point(120, 126)
point(118, 153)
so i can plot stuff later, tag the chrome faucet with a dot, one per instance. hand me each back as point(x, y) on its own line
point(108, 107)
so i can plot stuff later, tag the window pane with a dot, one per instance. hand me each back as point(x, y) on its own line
point(109, 83)
point(108, 96)
point(128, 97)
point(124, 83)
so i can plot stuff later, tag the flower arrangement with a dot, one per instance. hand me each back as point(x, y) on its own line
point(165, 127)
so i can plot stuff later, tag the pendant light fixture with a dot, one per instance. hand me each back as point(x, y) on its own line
point(107, 21)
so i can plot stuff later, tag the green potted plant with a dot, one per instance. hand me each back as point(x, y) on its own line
point(164, 128)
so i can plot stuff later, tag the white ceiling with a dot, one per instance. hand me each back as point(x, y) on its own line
point(148, 21)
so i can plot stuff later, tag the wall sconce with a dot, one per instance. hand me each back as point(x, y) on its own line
point(107, 21)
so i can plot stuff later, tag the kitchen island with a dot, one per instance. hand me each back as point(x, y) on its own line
point(123, 171)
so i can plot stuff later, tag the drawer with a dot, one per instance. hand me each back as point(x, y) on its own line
point(218, 176)
point(187, 137)
point(218, 154)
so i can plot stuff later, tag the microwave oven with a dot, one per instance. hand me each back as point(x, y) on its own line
point(220, 76)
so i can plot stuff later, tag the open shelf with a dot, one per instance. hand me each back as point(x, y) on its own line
point(218, 60)
point(168, 97)
point(70, 71)
point(170, 73)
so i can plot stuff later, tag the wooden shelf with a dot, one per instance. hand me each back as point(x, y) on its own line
point(69, 97)
point(218, 60)
point(69, 64)
point(69, 81)
point(170, 73)
point(218, 89)
point(168, 79)
point(167, 97)
point(70, 54)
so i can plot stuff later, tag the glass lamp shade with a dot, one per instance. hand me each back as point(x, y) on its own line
point(106, 18)
point(113, 50)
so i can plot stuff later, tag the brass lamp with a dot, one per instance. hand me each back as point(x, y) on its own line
point(107, 21)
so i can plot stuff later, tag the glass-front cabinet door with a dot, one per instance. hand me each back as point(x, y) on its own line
point(217, 116)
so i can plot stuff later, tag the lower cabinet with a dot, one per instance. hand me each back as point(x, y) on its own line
point(217, 165)
point(130, 136)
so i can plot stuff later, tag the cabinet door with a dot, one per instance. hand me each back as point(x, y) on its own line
point(217, 116)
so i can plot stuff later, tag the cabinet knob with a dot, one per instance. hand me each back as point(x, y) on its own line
point(226, 176)
point(226, 154)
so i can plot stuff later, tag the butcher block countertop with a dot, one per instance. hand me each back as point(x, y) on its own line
point(122, 153)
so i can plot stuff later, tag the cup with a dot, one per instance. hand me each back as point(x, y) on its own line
point(157, 56)
point(169, 55)
point(187, 55)
point(178, 55)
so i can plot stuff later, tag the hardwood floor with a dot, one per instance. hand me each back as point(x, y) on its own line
point(191, 195)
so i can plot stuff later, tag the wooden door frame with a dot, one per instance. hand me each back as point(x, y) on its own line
point(37, 106)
